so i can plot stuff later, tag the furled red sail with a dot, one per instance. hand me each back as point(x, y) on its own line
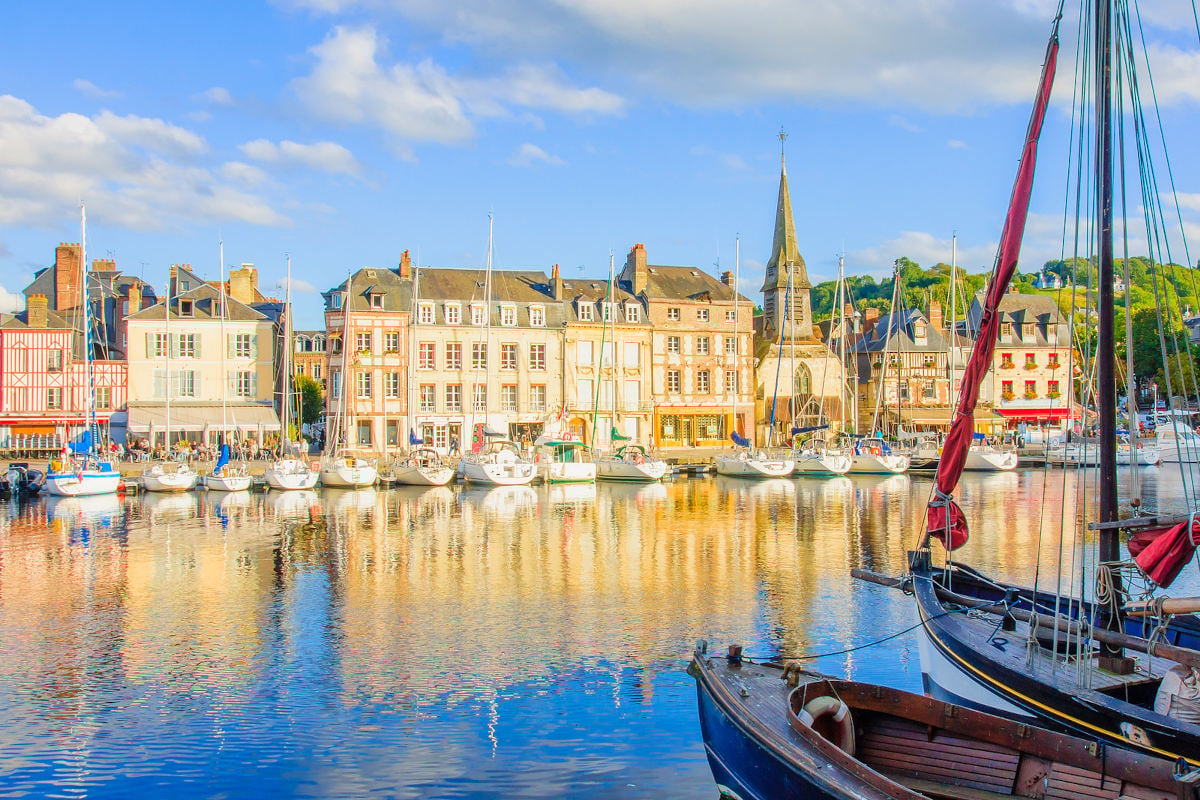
point(1161, 553)
point(945, 520)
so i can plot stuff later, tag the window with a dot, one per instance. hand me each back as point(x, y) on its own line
point(243, 383)
point(186, 308)
point(103, 397)
point(478, 314)
point(731, 316)
point(673, 381)
point(1006, 390)
point(391, 384)
point(731, 381)
point(508, 316)
point(537, 397)
point(537, 356)
point(364, 431)
point(363, 381)
point(479, 397)
point(479, 355)
point(1052, 360)
point(731, 348)
point(336, 387)
point(425, 356)
point(904, 393)
point(335, 344)
point(1030, 390)
point(583, 393)
point(585, 312)
point(362, 342)
point(929, 390)
point(1030, 361)
point(702, 345)
point(1052, 389)
point(185, 286)
point(508, 397)
point(241, 346)
point(426, 400)
point(673, 314)
point(159, 345)
point(54, 360)
point(54, 398)
point(392, 432)
point(187, 384)
point(537, 316)
point(702, 382)
point(633, 394)
point(391, 341)
point(606, 311)
point(454, 397)
point(632, 355)
point(633, 313)
point(187, 345)
point(1027, 331)
point(1006, 330)
point(335, 300)
point(508, 356)
point(1006, 361)
point(673, 344)
point(453, 312)
point(583, 353)
point(316, 371)
point(376, 300)
point(425, 313)
point(702, 315)
point(453, 355)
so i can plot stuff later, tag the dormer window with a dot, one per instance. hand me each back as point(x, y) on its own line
point(186, 308)
point(335, 300)
point(633, 313)
point(376, 300)
point(478, 314)
point(425, 313)
point(920, 334)
point(1027, 334)
point(607, 310)
point(370, 273)
point(537, 316)
point(453, 314)
point(185, 286)
point(585, 312)
point(508, 315)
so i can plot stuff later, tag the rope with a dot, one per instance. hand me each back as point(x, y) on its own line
point(813, 656)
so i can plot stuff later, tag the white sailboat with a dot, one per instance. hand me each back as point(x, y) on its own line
point(289, 472)
point(564, 459)
point(872, 455)
point(423, 467)
point(225, 477)
point(79, 472)
point(743, 461)
point(499, 462)
point(341, 468)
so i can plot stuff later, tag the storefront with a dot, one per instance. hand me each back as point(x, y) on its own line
point(696, 427)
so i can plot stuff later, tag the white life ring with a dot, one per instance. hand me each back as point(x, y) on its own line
point(834, 718)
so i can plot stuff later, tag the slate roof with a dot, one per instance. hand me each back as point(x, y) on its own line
point(898, 327)
point(396, 291)
point(205, 305)
point(1019, 310)
point(684, 283)
point(583, 291)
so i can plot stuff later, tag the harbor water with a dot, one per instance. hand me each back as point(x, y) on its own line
point(453, 642)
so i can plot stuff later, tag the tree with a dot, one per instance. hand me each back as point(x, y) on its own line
point(312, 399)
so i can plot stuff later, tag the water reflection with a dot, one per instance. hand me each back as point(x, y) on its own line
point(449, 641)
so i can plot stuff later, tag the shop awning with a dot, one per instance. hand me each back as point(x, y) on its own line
point(200, 418)
point(1038, 413)
point(918, 415)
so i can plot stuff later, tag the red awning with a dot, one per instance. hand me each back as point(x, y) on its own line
point(1035, 414)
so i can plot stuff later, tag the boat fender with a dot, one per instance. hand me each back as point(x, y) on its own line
point(639, 460)
point(314, 466)
point(838, 713)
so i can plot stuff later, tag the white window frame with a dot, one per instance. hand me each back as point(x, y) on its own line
point(537, 356)
point(363, 385)
point(454, 397)
point(673, 314)
point(478, 314)
point(479, 397)
point(508, 355)
point(674, 381)
point(674, 344)
point(510, 397)
point(479, 355)
point(242, 345)
point(427, 398)
point(702, 345)
point(508, 315)
point(427, 355)
point(243, 383)
point(454, 355)
point(425, 313)
point(585, 312)
point(537, 316)
point(702, 315)
point(453, 313)
point(391, 385)
point(537, 397)
point(633, 312)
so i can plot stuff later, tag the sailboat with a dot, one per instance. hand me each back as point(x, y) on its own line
point(1112, 662)
point(422, 467)
point(744, 461)
point(225, 477)
point(79, 471)
point(339, 467)
point(170, 475)
point(289, 471)
point(497, 461)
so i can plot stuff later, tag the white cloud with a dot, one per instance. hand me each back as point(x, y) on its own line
point(90, 89)
point(299, 286)
point(350, 84)
point(247, 174)
point(126, 168)
point(897, 121)
point(530, 155)
point(217, 95)
point(957, 144)
point(11, 302)
point(323, 156)
point(923, 248)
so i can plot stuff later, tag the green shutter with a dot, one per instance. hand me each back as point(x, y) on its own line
point(254, 345)
point(230, 345)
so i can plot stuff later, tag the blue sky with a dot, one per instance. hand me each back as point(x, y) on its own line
point(345, 131)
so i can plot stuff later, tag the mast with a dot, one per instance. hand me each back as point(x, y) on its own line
point(737, 267)
point(342, 417)
point(412, 344)
point(841, 310)
point(89, 410)
point(953, 297)
point(224, 343)
point(167, 360)
point(487, 332)
point(288, 387)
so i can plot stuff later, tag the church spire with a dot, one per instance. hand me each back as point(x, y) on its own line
point(785, 258)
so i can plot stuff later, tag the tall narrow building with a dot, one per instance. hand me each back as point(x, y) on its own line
point(787, 301)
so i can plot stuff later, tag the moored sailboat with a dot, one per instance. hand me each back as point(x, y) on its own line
point(225, 476)
point(289, 472)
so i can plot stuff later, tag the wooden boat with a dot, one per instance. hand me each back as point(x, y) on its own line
point(776, 731)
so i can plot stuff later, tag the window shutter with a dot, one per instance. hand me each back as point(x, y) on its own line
point(160, 383)
point(196, 340)
point(175, 345)
point(230, 345)
point(150, 344)
point(254, 345)
point(254, 384)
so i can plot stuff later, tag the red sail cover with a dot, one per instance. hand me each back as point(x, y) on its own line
point(1161, 553)
point(945, 520)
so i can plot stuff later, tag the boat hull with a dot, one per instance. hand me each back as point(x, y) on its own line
point(821, 464)
point(872, 464)
point(422, 476)
point(564, 472)
point(343, 476)
point(755, 468)
point(226, 483)
point(514, 473)
point(990, 460)
point(651, 469)
point(156, 480)
point(85, 484)
point(290, 475)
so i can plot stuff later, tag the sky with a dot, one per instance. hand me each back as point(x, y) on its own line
point(342, 132)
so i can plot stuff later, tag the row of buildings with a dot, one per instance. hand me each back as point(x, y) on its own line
point(665, 355)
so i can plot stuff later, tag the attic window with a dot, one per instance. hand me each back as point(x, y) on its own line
point(376, 300)
point(336, 300)
point(508, 315)
point(370, 273)
point(695, 274)
point(585, 312)
point(186, 308)
point(652, 271)
point(633, 313)
point(185, 286)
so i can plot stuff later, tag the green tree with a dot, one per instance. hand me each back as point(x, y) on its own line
point(312, 399)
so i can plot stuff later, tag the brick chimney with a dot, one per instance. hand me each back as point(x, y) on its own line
point(636, 263)
point(35, 311)
point(68, 262)
point(727, 278)
point(935, 315)
point(556, 283)
point(104, 265)
point(870, 317)
point(243, 284)
point(405, 266)
point(134, 298)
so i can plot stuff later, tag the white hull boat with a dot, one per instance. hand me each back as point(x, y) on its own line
point(86, 481)
point(818, 462)
point(411, 475)
point(878, 464)
point(1147, 456)
point(500, 464)
point(290, 474)
point(1178, 443)
point(226, 483)
point(989, 459)
point(631, 463)
point(747, 464)
point(560, 472)
point(348, 472)
point(169, 477)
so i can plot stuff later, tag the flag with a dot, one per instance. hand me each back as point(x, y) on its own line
point(413, 440)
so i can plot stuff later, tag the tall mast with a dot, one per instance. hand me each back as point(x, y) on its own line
point(287, 345)
point(840, 294)
point(737, 267)
point(953, 296)
point(343, 417)
point(167, 361)
point(225, 343)
point(89, 412)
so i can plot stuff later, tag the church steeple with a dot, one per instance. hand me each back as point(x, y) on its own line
point(785, 258)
